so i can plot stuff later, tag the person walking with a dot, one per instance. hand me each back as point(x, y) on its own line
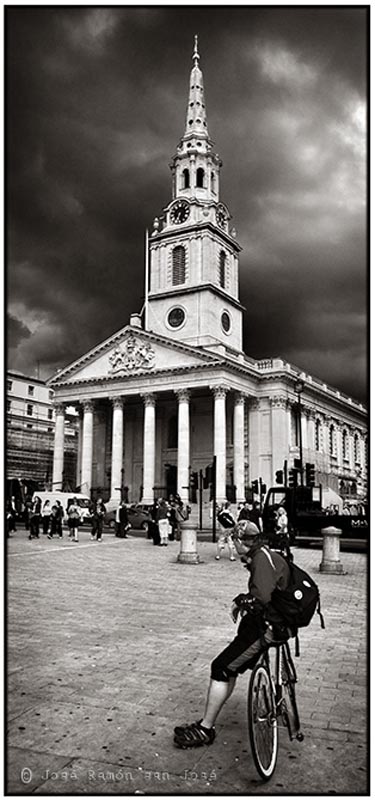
point(124, 524)
point(46, 516)
point(162, 516)
point(153, 526)
point(35, 518)
point(28, 510)
point(10, 518)
point(57, 514)
point(98, 520)
point(74, 519)
point(227, 522)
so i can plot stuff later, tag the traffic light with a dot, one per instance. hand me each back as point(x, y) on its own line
point(310, 474)
point(279, 476)
point(292, 478)
point(208, 476)
point(263, 488)
point(193, 481)
point(255, 487)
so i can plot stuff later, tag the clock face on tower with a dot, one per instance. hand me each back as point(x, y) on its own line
point(180, 211)
point(221, 216)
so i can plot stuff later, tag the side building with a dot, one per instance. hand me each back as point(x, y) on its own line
point(30, 430)
point(174, 388)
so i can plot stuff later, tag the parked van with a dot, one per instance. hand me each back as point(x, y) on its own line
point(83, 501)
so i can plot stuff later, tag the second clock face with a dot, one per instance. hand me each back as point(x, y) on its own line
point(221, 216)
point(180, 211)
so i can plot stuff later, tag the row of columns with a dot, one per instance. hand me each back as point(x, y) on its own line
point(149, 437)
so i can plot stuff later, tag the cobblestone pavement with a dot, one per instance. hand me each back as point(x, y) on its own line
point(109, 646)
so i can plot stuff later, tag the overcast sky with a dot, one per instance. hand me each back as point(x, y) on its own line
point(96, 100)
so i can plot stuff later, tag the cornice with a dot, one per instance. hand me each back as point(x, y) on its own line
point(197, 227)
point(176, 291)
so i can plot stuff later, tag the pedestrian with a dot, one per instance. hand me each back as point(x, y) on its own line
point(28, 510)
point(74, 518)
point(57, 514)
point(10, 517)
point(182, 514)
point(227, 523)
point(252, 513)
point(35, 518)
point(172, 517)
point(254, 634)
point(153, 526)
point(124, 523)
point(98, 520)
point(162, 516)
point(46, 516)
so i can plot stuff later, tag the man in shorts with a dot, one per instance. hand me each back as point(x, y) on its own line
point(253, 634)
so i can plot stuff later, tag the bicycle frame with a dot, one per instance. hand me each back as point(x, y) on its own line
point(282, 656)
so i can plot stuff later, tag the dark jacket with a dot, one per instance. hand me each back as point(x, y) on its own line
point(264, 577)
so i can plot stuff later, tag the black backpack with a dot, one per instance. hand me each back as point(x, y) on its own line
point(298, 603)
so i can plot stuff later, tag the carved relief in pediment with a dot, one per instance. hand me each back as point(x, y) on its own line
point(133, 355)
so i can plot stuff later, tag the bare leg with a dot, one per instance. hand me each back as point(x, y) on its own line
point(218, 694)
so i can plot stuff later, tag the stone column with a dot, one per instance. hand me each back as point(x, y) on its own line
point(239, 446)
point(220, 444)
point(79, 448)
point(117, 448)
point(279, 433)
point(148, 449)
point(183, 456)
point(58, 448)
point(87, 446)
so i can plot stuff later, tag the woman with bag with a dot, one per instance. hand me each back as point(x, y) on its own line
point(74, 519)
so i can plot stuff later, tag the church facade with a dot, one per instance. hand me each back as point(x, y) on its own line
point(174, 388)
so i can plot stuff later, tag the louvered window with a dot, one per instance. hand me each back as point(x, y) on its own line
point(185, 179)
point(200, 177)
point(222, 270)
point(178, 269)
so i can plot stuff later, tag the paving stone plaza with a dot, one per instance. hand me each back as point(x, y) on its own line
point(109, 646)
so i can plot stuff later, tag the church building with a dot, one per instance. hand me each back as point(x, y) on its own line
point(174, 388)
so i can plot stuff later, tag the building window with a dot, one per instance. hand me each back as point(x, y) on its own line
point(29, 425)
point(213, 187)
point(222, 268)
point(172, 433)
point(185, 179)
point(332, 440)
point(9, 405)
point(9, 386)
point(50, 394)
point(200, 177)
point(357, 457)
point(345, 453)
point(29, 410)
point(30, 391)
point(50, 413)
point(178, 265)
point(49, 430)
point(318, 433)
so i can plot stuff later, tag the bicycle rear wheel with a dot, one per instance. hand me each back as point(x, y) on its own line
point(289, 708)
point(263, 732)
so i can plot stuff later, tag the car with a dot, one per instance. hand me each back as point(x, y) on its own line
point(139, 517)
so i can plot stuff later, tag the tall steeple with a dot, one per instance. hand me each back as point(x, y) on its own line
point(196, 121)
point(194, 289)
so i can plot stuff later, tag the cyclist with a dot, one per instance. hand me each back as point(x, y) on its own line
point(253, 634)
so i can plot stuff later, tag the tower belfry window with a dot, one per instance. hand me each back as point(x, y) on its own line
point(222, 269)
point(178, 265)
point(185, 179)
point(200, 177)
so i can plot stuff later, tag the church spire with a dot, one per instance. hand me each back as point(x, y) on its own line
point(196, 121)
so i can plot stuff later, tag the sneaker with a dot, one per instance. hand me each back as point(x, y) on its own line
point(93, 538)
point(194, 735)
point(99, 540)
point(232, 558)
point(217, 558)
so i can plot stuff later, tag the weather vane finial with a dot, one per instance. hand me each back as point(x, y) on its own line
point(196, 55)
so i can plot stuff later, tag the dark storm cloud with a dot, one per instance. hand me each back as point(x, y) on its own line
point(96, 101)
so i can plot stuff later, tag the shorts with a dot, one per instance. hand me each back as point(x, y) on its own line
point(243, 652)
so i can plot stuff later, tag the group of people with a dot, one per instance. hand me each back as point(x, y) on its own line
point(227, 519)
point(166, 517)
point(47, 517)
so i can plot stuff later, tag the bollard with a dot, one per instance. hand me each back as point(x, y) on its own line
point(188, 547)
point(331, 551)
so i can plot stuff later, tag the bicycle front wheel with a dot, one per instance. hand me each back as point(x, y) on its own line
point(262, 721)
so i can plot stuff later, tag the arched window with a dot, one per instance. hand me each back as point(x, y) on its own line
point(213, 186)
point(185, 179)
point(332, 440)
point(222, 270)
point(318, 431)
point(200, 177)
point(345, 453)
point(178, 265)
point(172, 433)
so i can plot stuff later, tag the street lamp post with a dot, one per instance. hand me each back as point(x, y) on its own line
point(298, 388)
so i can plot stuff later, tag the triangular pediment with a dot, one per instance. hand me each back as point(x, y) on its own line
point(129, 353)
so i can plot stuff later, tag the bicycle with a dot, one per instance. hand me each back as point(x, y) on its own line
point(271, 699)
